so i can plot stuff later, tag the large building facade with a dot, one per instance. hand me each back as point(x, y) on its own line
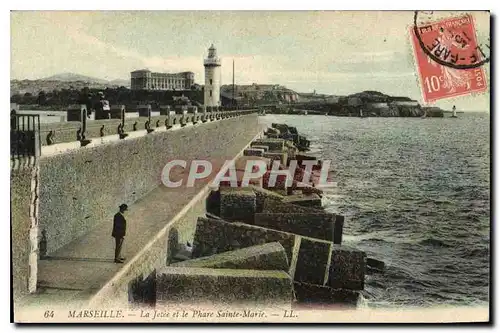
point(146, 80)
point(212, 78)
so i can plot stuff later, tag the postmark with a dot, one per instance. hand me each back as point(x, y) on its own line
point(448, 56)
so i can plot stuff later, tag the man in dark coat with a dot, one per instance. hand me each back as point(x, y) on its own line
point(119, 228)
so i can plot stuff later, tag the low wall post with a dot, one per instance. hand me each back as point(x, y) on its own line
point(83, 128)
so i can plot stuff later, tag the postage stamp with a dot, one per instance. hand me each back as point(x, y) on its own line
point(448, 56)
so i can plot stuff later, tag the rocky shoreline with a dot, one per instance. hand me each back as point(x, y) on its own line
point(364, 104)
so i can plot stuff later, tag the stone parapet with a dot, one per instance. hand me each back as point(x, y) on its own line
point(65, 132)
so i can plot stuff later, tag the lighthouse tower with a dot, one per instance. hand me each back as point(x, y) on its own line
point(212, 78)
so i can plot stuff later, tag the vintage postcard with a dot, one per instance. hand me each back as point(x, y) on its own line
point(250, 166)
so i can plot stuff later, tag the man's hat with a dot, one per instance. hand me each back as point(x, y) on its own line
point(123, 207)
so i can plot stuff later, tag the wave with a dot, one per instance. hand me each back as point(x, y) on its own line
point(413, 198)
point(476, 253)
point(434, 242)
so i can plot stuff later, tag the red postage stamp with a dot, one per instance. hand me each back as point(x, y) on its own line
point(449, 59)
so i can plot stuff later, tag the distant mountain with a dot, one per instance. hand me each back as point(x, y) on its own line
point(71, 77)
point(63, 81)
point(120, 82)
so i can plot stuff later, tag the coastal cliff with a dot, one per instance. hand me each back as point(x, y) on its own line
point(377, 104)
point(363, 104)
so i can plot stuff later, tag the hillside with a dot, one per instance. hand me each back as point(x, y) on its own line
point(72, 77)
point(262, 94)
point(62, 81)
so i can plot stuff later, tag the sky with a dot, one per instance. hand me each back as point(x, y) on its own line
point(328, 52)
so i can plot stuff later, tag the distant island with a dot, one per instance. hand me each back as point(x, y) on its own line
point(59, 91)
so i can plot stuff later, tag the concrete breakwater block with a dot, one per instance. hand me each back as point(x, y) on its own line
point(305, 157)
point(261, 194)
point(283, 128)
point(347, 268)
point(283, 182)
point(239, 179)
point(276, 206)
point(313, 261)
point(273, 144)
point(265, 148)
point(303, 141)
point(237, 204)
point(253, 152)
point(308, 189)
point(375, 264)
point(315, 225)
point(301, 175)
point(216, 236)
point(271, 130)
point(282, 157)
point(292, 130)
point(188, 285)
point(312, 294)
point(289, 143)
point(291, 152)
point(241, 163)
point(306, 200)
point(269, 256)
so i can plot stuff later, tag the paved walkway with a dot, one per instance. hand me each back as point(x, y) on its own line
point(83, 266)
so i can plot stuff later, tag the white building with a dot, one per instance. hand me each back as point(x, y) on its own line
point(144, 79)
point(212, 78)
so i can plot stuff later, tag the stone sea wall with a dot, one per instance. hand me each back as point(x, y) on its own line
point(81, 188)
point(20, 193)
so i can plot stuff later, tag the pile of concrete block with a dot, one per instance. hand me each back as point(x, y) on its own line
point(283, 149)
point(250, 258)
point(311, 263)
point(261, 245)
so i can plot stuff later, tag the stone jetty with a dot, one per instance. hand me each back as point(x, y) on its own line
point(266, 245)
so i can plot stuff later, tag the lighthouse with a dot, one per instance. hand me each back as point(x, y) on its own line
point(212, 78)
